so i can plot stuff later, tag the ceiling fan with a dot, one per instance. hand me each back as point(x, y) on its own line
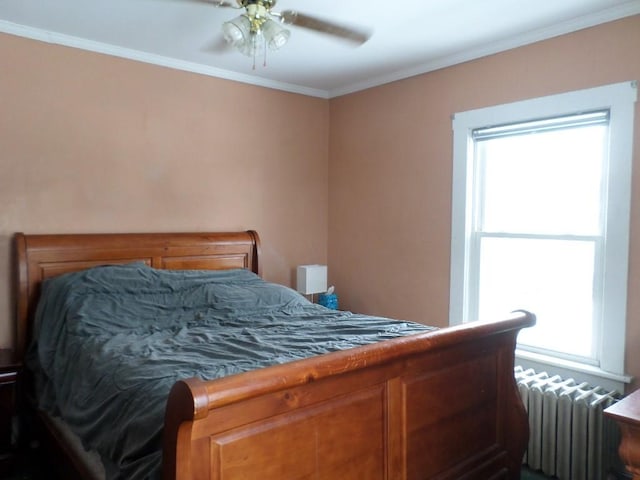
point(259, 26)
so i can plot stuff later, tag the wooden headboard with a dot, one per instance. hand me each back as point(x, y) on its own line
point(39, 257)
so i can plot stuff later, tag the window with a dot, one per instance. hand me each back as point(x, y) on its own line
point(541, 201)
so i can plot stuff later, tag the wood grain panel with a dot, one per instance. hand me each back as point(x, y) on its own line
point(220, 262)
point(341, 438)
point(449, 428)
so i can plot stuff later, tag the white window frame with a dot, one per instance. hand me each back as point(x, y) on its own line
point(619, 99)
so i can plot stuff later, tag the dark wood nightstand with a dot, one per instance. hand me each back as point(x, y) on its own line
point(9, 372)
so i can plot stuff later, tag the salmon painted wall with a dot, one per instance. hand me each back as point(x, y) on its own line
point(92, 143)
point(391, 165)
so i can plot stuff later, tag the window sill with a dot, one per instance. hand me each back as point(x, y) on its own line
point(568, 369)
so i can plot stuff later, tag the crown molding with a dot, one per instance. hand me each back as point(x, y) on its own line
point(614, 13)
point(145, 57)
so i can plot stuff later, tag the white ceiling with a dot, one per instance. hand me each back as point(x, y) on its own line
point(409, 37)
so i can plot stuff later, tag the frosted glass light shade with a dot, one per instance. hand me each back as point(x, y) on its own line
point(275, 35)
point(237, 32)
point(311, 279)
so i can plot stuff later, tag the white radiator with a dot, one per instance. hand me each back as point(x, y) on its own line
point(569, 438)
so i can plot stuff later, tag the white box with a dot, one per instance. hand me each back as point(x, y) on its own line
point(312, 279)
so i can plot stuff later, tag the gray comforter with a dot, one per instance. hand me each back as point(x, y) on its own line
point(111, 341)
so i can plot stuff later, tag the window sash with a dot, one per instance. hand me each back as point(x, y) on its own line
point(551, 158)
point(594, 317)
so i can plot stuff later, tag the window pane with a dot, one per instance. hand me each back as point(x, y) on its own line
point(545, 182)
point(551, 278)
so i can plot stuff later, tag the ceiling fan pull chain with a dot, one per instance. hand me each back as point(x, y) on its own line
point(255, 45)
point(264, 50)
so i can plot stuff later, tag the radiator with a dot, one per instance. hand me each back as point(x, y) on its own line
point(569, 437)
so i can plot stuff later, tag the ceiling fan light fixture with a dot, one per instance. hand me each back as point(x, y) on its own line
point(259, 27)
point(275, 35)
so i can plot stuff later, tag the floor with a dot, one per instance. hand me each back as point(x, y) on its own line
point(531, 475)
point(25, 470)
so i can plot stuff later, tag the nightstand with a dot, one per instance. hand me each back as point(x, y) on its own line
point(627, 414)
point(9, 371)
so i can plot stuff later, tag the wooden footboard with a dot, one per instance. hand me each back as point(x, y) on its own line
point(439, 405)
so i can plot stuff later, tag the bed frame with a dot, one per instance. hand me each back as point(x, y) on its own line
point(438, 405)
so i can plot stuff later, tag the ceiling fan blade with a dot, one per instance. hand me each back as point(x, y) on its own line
point(217, 3)
point(355, 35)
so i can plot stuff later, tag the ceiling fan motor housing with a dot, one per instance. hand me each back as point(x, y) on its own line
point(268, 4)
point(257, 11)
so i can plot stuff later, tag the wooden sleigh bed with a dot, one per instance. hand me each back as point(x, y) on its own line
point(436, 405)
